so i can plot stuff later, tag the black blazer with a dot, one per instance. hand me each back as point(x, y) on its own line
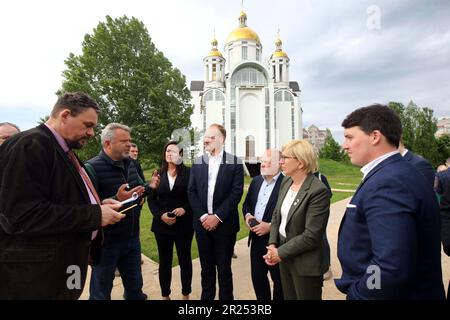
point(164, 200)
point(227, 193)
point(445, 225)
point(252, 198)
point(46, 218)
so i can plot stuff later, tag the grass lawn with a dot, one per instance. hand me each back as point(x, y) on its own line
point(340, 176)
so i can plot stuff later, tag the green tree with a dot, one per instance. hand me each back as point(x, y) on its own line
point(443, 143)
point(419, 127)
point(331, 149)
point(132, 81)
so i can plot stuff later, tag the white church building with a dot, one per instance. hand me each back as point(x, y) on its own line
point(252, 98)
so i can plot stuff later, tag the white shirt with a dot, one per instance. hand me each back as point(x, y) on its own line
point(285, 207)
point(372, 164)
point(263, 196)
point(404, 152)
point(213, 170)
point(171, 180)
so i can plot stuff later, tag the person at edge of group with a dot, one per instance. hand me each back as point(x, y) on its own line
point(49, 210)
point(215, 189)
point(326, 246)
point(389, 238)
point(421, 164)
point(442, 180)
point(257, 209)
point(134, 153)
point(299, 224)
point(172, 220)
point(445, 234)
point(115, 175)
point(7, 130)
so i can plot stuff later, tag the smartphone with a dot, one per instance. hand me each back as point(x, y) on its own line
point(171, 215)
point(253, 222)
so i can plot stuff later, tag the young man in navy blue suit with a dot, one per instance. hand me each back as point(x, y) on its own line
point(215, 189)
point(389, 238)
point(259, 204)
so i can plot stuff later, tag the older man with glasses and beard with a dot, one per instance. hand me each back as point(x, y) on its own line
point(49, 209)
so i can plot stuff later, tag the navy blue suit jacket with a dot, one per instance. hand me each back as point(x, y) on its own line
point(227, 193)
point(422, 165)
point(252, 198)
point(391, 224)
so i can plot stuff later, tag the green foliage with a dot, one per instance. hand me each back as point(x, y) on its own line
point(443, 143)
point(331, 149)
point(132, 81)
point(43, 119)
point(340, 175)
point(419, 127)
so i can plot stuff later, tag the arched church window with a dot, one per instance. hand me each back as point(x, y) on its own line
point(288, 96)
point(209, 96)
point(248, 76)
point(279, 96)
point(220, 96)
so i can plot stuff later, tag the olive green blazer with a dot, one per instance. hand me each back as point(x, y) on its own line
point(306, 224)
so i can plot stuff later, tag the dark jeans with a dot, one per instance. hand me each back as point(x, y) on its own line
point(260, 270)
point(216, 252)
point(165, 250)
point(126, 256)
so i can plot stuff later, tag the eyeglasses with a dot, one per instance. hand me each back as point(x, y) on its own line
point(283, 157)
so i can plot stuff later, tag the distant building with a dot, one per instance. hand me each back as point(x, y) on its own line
point(254, 100)
point(443, 127)
point(315, 136)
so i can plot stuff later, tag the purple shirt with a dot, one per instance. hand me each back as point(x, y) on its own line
point(66, 149)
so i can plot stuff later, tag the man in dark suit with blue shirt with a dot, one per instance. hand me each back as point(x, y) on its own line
point(389, 238)
point(257, 209)
point(215, 189)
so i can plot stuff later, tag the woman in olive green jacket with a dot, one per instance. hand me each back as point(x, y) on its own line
point(299, 223)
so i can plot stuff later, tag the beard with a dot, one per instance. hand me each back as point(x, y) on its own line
point(77, 144)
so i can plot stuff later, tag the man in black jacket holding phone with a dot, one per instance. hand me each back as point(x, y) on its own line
point(115, 175)
point(258, 207)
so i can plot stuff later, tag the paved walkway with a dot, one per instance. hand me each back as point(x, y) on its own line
point(243, 289)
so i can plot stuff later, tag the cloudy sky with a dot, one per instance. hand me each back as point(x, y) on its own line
point(344, 53)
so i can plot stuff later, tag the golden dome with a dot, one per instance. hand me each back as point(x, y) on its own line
point(243, 33)
point(279, 54)
point(242, 15)
point(278, 42)
point(214, 53)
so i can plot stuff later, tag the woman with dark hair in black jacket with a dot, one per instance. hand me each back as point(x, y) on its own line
point(172, 220)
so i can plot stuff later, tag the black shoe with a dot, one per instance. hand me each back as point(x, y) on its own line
point(143, 296)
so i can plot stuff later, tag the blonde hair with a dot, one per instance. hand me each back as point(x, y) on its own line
point(304, 152)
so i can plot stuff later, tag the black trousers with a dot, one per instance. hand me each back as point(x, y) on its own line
point(165, 244)
point(216, 251)
point(260, 271)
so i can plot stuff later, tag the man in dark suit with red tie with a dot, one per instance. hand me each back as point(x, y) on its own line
point(215, 190)
point(257, 209)
point(49, 211)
